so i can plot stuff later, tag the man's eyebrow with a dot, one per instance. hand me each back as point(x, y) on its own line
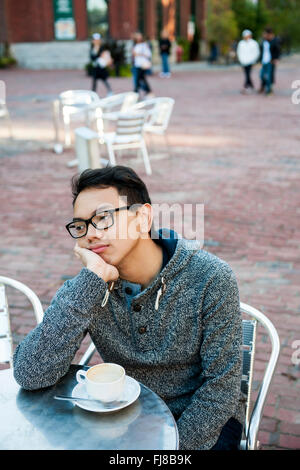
point(103, 207)
point(100, 208)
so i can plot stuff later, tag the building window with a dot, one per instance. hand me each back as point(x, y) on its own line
point(97, 14)
point(141, 16)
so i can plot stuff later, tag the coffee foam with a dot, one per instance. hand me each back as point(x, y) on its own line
point(104, 374)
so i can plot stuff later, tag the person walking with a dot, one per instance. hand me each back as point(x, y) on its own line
point(270, 53)
point(101, 59)
point(248, 53)
point(165, 48)
point(142, 62)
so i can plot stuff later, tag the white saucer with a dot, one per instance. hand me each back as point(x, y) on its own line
point(131, 392)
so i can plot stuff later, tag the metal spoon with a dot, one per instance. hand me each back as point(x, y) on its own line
point(111, 404)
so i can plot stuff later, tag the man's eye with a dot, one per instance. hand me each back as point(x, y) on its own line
point(103, 216)
point(77, 227)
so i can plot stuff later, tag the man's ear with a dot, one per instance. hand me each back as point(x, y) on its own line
point(140, 225)
point(145, 215)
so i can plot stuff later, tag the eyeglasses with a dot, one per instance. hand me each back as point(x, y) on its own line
point(78, 227)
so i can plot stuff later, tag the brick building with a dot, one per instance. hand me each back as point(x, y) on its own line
point(56, 33)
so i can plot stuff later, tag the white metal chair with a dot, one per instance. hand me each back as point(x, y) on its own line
point(4, 113)
point(109, 108)
point(74, 103)
point(252, 418)
point(118, 103)
point(6, 343)
point(128, 135)
point(158, 114)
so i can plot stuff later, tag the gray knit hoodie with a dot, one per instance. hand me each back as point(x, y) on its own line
point(189, 351)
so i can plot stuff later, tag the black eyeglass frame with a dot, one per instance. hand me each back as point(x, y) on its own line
point(90, 220)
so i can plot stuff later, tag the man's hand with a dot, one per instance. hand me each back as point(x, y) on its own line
point(95, 263)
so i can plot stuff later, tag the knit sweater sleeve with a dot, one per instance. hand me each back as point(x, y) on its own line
point(215, 401)
point(45, 354)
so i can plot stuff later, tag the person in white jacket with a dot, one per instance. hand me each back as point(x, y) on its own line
point(142, 62)
point(248, 53)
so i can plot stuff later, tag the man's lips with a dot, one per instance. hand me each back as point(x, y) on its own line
point(98, 248)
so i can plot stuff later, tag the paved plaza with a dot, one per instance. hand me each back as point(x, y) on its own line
point(238, 155)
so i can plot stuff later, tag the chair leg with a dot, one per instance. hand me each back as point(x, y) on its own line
point(66, 118)
point(146, 158)
point(9, 125)
point(111, 154)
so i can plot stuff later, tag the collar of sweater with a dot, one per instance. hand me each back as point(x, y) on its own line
point(183, 252)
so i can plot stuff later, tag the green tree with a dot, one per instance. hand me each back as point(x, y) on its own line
point(221, 24)
point(251, 15)
point(284, 18)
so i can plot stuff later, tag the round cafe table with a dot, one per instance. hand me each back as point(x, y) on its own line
point(35, 420)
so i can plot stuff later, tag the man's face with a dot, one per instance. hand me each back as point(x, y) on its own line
point(115, 243)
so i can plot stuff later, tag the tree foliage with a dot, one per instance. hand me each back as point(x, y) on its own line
point(283, 16)
point(221, 24)
point(226, 19)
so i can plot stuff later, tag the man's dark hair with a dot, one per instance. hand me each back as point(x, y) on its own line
point(123, 178)
point(268, 30)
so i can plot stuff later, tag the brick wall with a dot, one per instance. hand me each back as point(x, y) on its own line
point(80, 16)
point(122, 18)
point(30, 20)
point(33, 20)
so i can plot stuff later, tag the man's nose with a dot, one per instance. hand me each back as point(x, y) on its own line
point(93, 232)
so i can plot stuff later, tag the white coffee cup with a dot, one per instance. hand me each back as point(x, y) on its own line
point(104, 381)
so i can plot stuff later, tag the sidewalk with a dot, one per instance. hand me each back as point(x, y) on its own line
point(238, 155)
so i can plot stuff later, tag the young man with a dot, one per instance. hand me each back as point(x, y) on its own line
point(164, 309)
point(270, 53)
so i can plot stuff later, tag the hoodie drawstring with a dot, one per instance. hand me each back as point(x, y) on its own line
point(108, 291)
point(160, 292)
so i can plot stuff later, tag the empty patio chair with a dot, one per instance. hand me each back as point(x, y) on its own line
point(109, 108)
point(74, 104)
point(128, 135)
point(158, 111)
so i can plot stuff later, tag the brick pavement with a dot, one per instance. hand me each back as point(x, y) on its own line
point(239, 155)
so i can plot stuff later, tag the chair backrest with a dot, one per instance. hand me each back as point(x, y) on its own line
point(130, 124)
point(78, 97)
point(253, 418)
point(158, 111)
point(118, 102)
point(130, 99)
point(3, 108)
point(6, 343)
